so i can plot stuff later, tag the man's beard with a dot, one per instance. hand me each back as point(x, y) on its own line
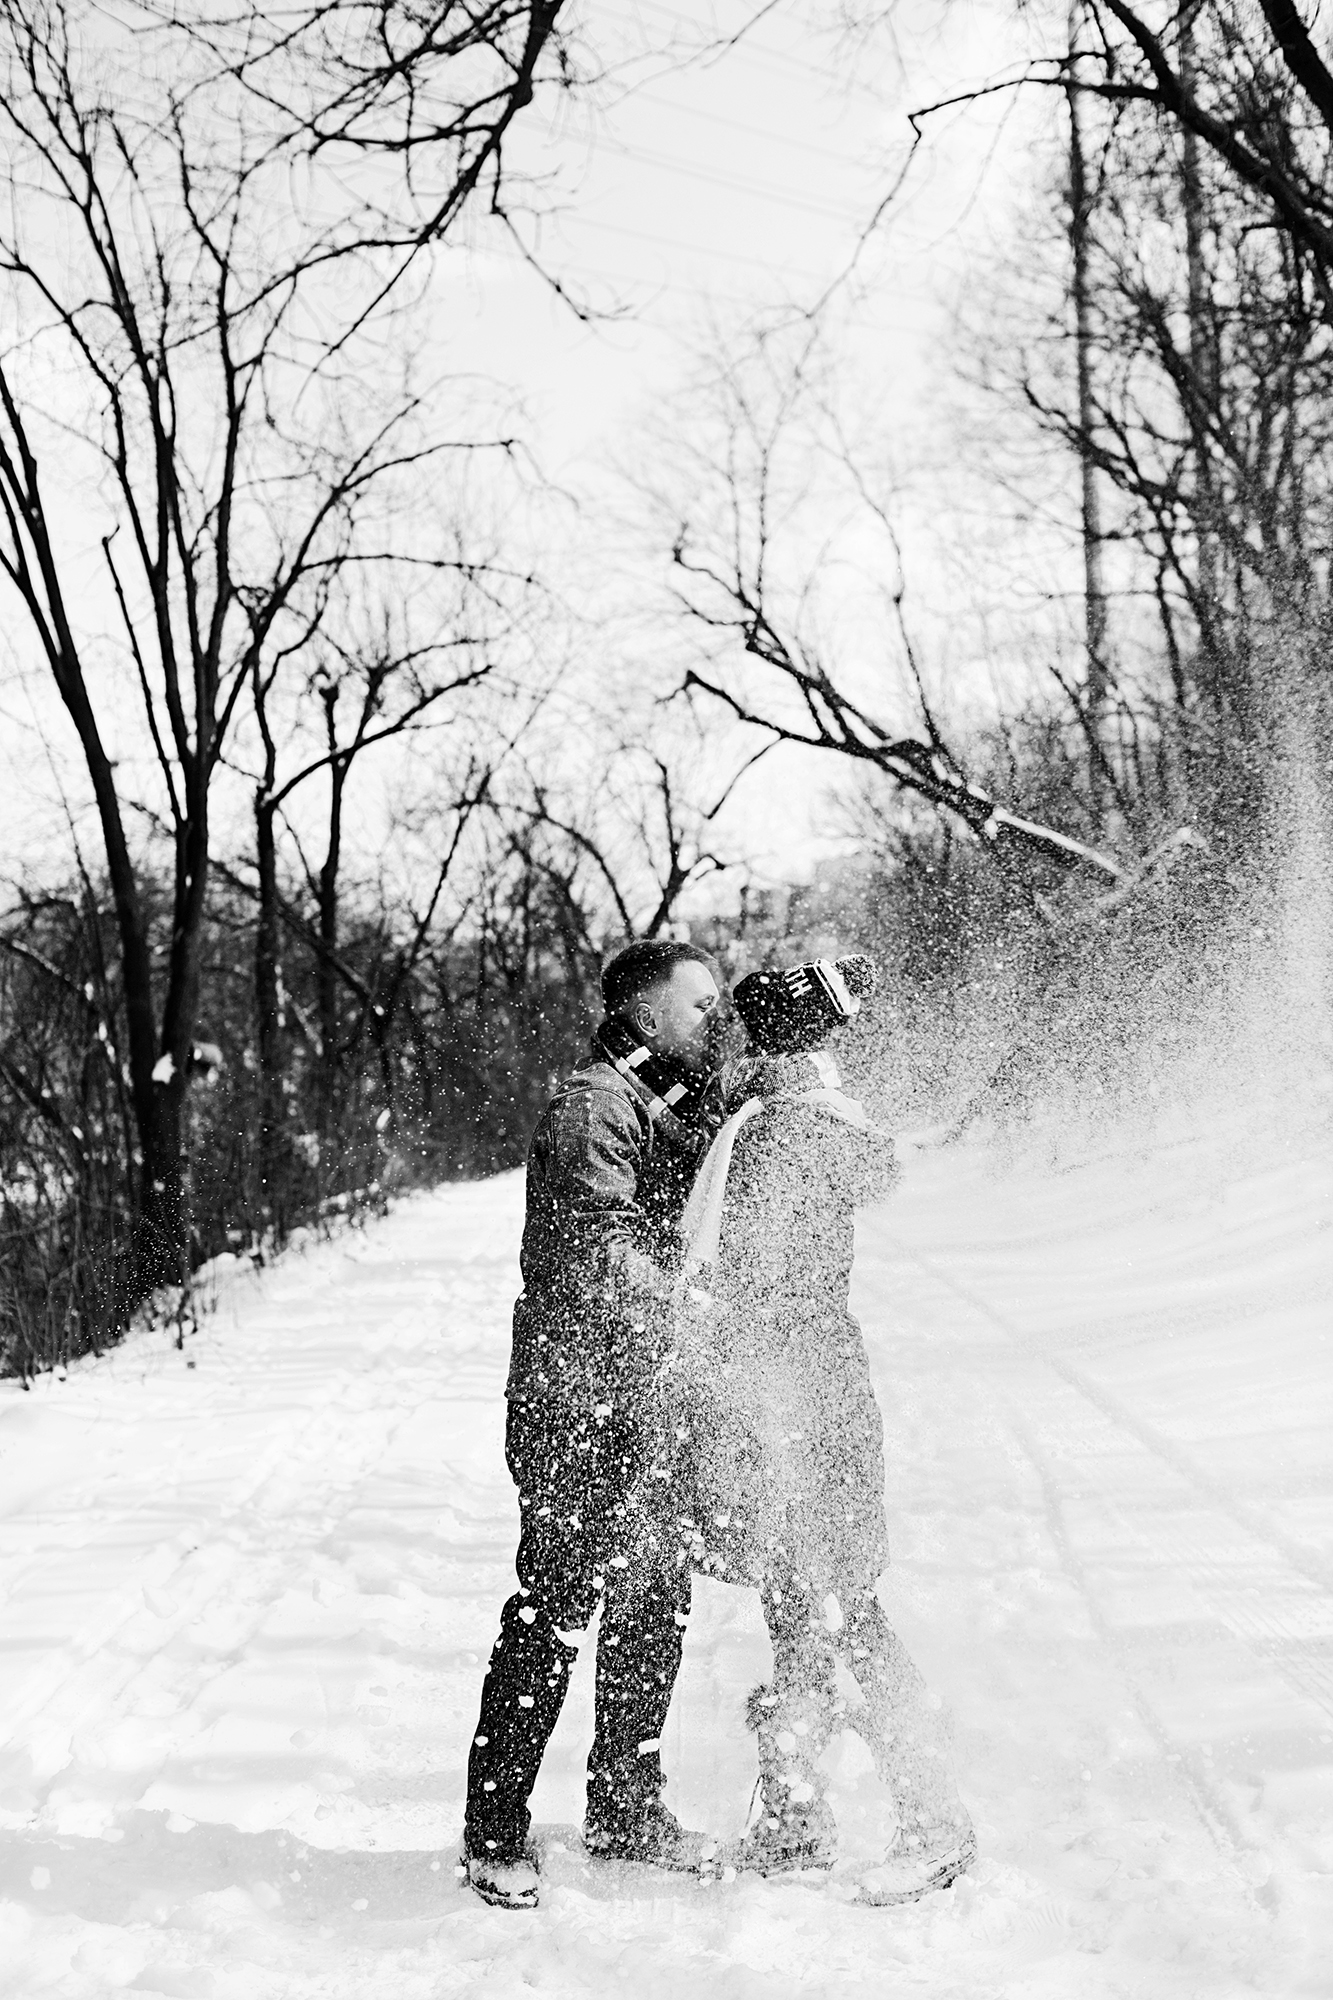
point(709, 1050)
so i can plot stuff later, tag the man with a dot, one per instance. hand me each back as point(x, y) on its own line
point(609, 1169)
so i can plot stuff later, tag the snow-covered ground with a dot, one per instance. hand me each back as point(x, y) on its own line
point(248, 1590)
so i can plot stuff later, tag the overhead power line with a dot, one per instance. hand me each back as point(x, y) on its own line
point(769, 264)
point(609, 275)
point(739, 125)
point(740, 184)
point(639, 281)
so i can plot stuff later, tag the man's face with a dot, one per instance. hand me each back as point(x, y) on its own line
point(675, 1016)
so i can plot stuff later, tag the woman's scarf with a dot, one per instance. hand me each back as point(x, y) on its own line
point(701, 1223)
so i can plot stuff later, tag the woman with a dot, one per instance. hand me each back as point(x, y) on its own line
point(786, 1443)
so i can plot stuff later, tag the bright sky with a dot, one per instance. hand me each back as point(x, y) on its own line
point(700, 181)
point(707, 180)
point(703, 177)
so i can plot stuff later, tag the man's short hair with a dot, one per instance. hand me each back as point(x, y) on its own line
point(641, 965)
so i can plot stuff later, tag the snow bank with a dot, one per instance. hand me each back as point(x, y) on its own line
point(249, 1589)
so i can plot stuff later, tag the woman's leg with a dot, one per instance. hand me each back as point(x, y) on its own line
point(792, 1719)
point(902, 1724)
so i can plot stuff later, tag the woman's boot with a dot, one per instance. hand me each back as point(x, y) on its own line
point(795, 1827)
point(904, 1729)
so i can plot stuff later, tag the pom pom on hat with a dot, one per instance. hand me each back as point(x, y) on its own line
point(796, 1007)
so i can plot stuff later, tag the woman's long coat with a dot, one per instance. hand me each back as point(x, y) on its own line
point(785, 1442)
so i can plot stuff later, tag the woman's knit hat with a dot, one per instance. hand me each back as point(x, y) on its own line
point(787, 1011)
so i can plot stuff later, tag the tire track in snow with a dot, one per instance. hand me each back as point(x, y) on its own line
point(236, 1575)
point(1216, 1816)
point(1247, 1859)
point(1274, 1635)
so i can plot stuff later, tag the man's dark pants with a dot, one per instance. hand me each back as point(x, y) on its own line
point(593, 1525)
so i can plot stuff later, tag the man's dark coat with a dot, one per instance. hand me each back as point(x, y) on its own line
point(605, 1189)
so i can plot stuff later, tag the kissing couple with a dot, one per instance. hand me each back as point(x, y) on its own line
point(688, 1391)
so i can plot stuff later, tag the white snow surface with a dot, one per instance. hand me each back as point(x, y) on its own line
point(249, 1588)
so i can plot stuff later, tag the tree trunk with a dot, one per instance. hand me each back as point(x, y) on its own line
point(1094, 588)
point(1204, 373)
point(325, 974)
point(268, 1006)
point(161, 1248)
point(168, 1233)
point(158, 1253)
point(328, 934)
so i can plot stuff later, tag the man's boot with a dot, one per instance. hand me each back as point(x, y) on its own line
point(520, 1702)
point(652, 1835)
point(510, 1882)
point(795, 1827)
point(638, 1653)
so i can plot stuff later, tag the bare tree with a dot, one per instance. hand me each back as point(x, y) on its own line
point(1098, 676)
point(433, 88)
point(1190, 372)
point(747, 571)
point(627, 847)
point(391, 688)
point(179, 385)
point(1248, 84)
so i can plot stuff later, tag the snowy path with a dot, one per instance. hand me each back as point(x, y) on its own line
point(244, 1606)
